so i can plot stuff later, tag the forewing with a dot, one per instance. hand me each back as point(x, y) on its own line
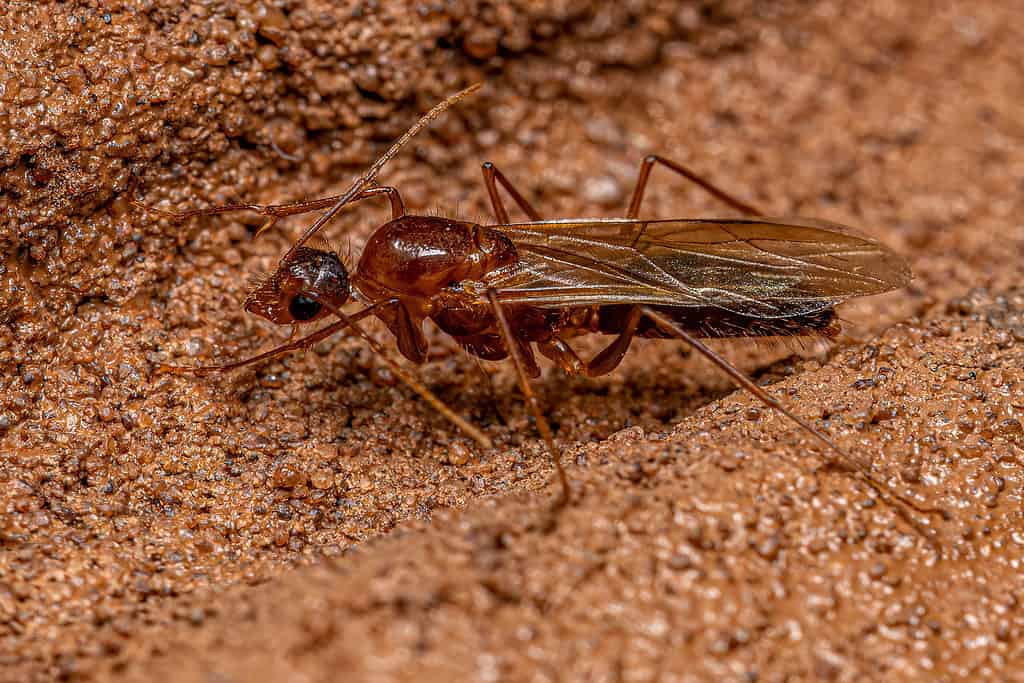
point(766, 268)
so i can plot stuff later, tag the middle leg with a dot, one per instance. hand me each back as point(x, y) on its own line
point(601, 364)
point(515, 351)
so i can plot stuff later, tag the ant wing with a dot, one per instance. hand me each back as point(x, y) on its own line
point(763, 268)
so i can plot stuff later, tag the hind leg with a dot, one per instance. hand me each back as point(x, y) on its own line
point(647, 165)
point(492, 176)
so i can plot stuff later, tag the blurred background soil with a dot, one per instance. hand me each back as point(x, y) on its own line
point(310, 517)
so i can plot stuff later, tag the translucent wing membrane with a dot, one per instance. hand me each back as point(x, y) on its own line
point(767, 268)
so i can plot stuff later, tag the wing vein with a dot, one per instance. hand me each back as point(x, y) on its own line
point(763, 268)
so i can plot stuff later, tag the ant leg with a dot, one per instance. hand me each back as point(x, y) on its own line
point(492, 394)
point(491, 175)
point(408, 332)
point(645, 172)
point(516, 352)
point(601, 364)
point(303, 343)
point(275, 212)
point(369, 178)
point(561, 353)
point(407, 377)
point(838, 458)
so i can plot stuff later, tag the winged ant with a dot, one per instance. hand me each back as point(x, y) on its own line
point(507, 290)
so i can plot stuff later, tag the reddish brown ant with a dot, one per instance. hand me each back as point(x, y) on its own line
point(505, 289)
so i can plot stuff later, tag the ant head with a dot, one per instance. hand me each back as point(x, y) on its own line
point(280, 298)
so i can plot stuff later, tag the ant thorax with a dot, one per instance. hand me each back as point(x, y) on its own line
point(419, 256)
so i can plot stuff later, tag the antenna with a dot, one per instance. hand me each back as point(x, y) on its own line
point(367, 179)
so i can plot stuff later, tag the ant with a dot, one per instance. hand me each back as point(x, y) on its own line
point(507, 289)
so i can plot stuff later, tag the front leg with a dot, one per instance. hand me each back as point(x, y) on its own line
point(407, 328)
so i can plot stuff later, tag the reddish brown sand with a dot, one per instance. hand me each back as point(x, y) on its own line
point(309, 520)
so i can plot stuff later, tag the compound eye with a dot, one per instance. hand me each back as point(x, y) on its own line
point(303, 308)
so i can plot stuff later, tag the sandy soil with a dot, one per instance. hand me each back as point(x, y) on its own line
point(310, 517)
